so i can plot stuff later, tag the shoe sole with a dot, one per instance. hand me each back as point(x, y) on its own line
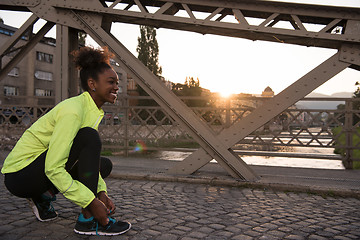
point(36, 212)
point(102, 233)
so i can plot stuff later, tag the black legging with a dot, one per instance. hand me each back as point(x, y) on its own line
point(84, 164)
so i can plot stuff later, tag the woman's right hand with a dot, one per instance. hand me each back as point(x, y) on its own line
point(98, 209)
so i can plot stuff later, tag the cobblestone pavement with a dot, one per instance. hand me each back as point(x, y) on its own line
point(162, 210)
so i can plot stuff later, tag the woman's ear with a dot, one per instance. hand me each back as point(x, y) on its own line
point(91, 84)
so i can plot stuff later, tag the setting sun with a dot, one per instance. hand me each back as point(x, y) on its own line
point(224, 92)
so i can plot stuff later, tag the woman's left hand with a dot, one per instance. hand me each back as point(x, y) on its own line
point(107, 201)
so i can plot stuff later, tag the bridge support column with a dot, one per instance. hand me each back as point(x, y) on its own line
point(67, 84)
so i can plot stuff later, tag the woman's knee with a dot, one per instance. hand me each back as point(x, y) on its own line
point(88, 136)
point(105, 167)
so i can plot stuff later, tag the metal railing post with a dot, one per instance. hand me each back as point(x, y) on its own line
point(348, 127)
point(228, 113)
point(127, 122)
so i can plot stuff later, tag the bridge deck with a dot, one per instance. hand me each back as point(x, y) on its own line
point(339, 182)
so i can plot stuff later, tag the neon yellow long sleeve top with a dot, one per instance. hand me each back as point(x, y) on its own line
point(55, 132)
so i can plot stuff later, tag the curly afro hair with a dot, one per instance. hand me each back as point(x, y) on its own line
point(91, 62)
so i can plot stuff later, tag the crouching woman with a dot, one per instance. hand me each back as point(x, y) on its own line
point(60, 152)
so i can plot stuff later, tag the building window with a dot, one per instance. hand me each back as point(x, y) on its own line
point(113, 62)
point(10, 33)
point(6, 32)
point(14, 72)
point(43, 93)
point(10, 91)
point(44, 57)
point(48, 76)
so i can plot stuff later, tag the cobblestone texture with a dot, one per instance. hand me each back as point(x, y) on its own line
point(162, 210)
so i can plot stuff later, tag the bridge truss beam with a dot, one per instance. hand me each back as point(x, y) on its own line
point(307, 25)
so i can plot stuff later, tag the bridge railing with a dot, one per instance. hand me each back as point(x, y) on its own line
point(136, 123)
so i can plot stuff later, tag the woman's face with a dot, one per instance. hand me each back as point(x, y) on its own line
point(106, 87)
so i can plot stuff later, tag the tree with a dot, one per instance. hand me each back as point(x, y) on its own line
point(191, 88)
point(357, 92)
point(356, 104)
point(148, 54)
point(82, 37)
point(148, 49)
point(339, 132)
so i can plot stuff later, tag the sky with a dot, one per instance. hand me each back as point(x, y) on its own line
point(229, 65)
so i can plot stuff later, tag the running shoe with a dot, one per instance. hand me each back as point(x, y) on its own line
point(43, 209)
point(91, 227)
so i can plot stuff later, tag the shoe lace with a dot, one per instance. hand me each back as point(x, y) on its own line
point(97, 227)
point(111, 220)
point(46, 203)
point(51, 208)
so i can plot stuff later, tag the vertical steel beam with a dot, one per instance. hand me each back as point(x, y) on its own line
point(67, 82)
point(62, 61)
point(270, 109)
point(348, 129)
point(228, 113)
point(167, 100)
point(73, 41)
point(30, 80)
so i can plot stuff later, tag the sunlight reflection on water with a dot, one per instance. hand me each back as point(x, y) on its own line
point(266, 161)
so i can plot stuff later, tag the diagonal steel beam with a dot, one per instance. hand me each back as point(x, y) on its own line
point(5, 48)
point(270, 109)
point(25, 49)
point(166, 99)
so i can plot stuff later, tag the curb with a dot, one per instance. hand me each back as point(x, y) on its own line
point(324, 192)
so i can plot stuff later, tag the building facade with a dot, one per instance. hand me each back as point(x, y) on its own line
point(32, 81)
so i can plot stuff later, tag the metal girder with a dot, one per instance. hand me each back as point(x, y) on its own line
point(33, 40)
point(166, 99)
point(6, 47)
point(18, 5)
point(350, 54)
point(270, 109)
point(332, 20)
point(66, 74)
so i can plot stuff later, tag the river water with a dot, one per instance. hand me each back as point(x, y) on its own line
point(272, 161)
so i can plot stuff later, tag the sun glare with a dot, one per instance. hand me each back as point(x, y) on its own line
point(225, 93)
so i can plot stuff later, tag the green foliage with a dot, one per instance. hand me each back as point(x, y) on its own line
point(356, 104)
point(106, 153)
point(148, 49)
point(191, 88)
point(339, 134)
point(148, 54)
point(82, 36)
